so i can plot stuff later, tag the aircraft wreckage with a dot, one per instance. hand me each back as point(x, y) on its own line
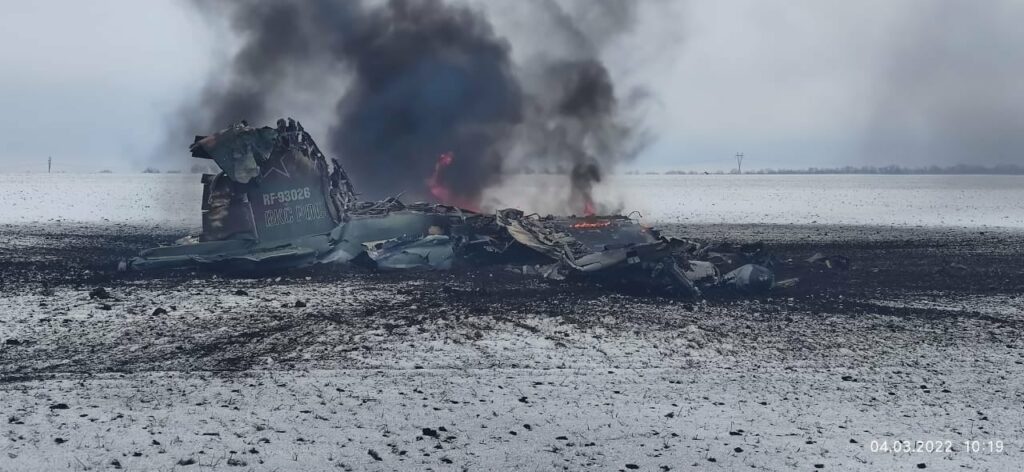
point(278, 202)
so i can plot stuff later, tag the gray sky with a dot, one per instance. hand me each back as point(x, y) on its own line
point(92, 83)
point(792, 84)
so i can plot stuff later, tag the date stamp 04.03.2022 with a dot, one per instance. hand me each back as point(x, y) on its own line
point(893, 446)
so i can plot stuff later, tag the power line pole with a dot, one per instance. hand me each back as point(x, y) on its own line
point(739, 162)
point(49, 164)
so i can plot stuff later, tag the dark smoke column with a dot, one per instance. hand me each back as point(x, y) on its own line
point(430, 79)
point(582, 179)
point(423, 78)
point(422, 95)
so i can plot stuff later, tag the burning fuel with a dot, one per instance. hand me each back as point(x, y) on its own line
point(591, 224)
point(278, 202)
point(440, 190)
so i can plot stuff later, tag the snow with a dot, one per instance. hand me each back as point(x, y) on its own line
point(677, 388)
point(915, 200)
point(901, 200)
point(774, 419)
point(140, 199)
point(235, 375)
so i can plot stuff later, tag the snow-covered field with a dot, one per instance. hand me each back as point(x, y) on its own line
point(914, 200)
point(140, 199)
point(918, 200)
point(481, 371)
point(367, 377)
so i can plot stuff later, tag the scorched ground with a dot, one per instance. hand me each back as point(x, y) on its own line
point(347, 368)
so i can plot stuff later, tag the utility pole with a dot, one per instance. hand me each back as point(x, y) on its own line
point(739, 162)
point(49, 164)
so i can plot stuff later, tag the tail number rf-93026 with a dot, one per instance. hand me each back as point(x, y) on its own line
point(286, 196)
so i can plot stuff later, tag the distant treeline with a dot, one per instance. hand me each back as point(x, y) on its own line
point(959, 169)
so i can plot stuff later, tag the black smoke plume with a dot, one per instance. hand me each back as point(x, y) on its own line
point(405, 82)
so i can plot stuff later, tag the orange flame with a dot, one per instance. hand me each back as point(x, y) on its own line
point(591, 224)
point(440, 191)
point(588, 207)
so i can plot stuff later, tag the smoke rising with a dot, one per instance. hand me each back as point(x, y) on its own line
point(949, 91)
point(429, 79)
point(404, 82)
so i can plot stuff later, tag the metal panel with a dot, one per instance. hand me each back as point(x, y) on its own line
point(288, 201)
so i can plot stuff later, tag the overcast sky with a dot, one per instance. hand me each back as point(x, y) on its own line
point(790, 84)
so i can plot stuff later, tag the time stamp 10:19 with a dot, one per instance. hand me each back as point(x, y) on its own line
point(938, 446)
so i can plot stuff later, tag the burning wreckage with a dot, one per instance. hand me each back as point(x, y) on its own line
point(278, 203)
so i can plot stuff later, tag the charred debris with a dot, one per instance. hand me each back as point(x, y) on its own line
point(279, 203)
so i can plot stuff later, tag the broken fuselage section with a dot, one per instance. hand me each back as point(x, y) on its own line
point(278, 202)
point(275, 203)
point(615, 247)
point(620, 251)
